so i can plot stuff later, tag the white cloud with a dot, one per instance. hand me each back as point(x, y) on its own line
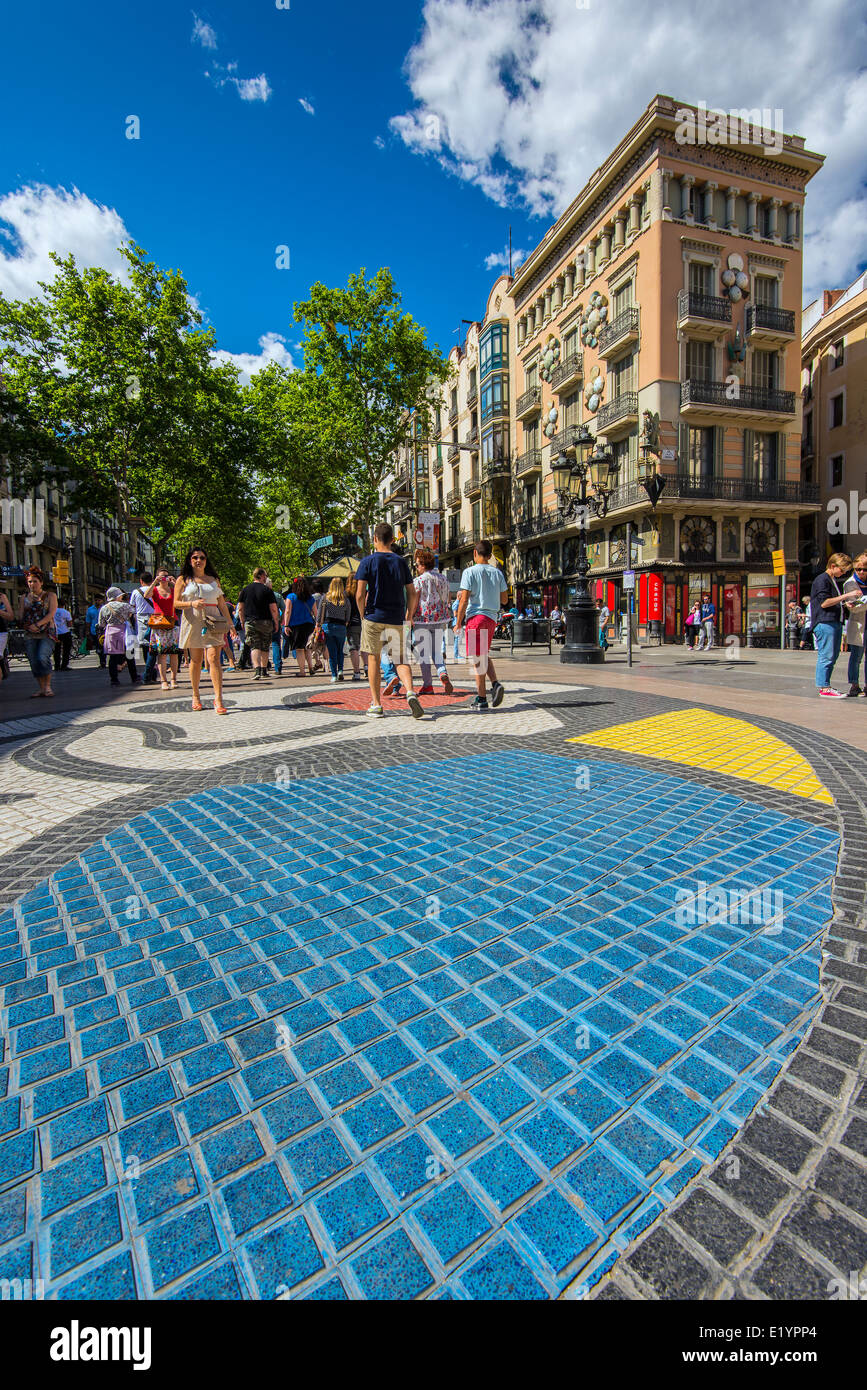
point(379, 142)
point(524, 98)
point(272, 348)
point(253, 88)
point(307, 106)
point(36, 220)
point(203, 33)
point(499, 260)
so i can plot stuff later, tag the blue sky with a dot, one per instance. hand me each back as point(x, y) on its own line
point(427, 127)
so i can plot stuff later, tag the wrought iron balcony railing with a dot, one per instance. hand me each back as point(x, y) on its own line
point(623, 407)
point(703, 306)
point(623, 326)
point(528, 461)
point(736, 396)
point(570, 369)
point(531, 400)
point(770, 318)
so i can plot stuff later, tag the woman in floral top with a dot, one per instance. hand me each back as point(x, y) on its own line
point(36, 612)
point(112, 621)
point(430, 621)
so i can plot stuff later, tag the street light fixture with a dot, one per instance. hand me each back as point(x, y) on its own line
point(649, 477)
point(70, 527)
point(575, 503)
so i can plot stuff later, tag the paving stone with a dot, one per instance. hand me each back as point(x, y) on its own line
point(749, 1182)
point(799, 1105)
point(785, 1275)
point(669, 1269)
point(839, 1240)
point(778, 1141)
point(713, 1225)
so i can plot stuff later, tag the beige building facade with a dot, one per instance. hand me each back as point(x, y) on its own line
point(834, 440)
point(661, 312)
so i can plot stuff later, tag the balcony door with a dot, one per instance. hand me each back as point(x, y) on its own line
point(699, 361)
point(765, 291)
point(700, 278)
point(623, 373)
point(766, 369)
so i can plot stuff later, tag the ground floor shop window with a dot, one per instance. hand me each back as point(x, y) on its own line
point(763, 605)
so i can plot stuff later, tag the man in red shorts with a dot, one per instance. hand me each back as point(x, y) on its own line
point(482, 594)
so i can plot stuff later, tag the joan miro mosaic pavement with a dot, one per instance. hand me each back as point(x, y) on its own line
point(443, 1033)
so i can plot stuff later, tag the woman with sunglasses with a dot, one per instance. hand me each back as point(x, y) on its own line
point(856, 585)
point(205, 620)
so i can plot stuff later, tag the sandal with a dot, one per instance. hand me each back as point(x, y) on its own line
point(220, 709)
point(197, 705)
point(164, 686)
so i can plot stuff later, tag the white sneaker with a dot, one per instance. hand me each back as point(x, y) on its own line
point(375, 712)
point(333, 680)
point(830, 694)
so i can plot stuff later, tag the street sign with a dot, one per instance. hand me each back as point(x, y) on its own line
point(629, 579)
point(779, 559)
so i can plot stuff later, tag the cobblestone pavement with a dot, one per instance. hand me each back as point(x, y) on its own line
point(297, 1004)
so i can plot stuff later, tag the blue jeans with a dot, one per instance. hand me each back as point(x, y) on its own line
point(335, 640)
point(429, 649)
point(277, 654)
point(40, 651)
point(828, 637)
point(855, 655)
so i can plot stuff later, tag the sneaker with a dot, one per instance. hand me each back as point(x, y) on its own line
point(479, 706)
point(340, 675)
point(447, 686)
point(426, 690)
point(356, 675)
point(265, 672)
point(333, 680)
point(414, 705)
point(853, 691)
point(829, 694)
point(497, 693)
point(392, 687)
point(375, 712)
point(257, 674)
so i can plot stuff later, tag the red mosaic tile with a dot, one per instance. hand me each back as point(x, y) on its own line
point(356, 698)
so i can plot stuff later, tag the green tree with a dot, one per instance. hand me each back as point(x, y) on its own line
point(111, 385)
point(373, 367)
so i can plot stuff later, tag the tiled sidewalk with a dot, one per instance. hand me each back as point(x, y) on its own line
point(255, 1050)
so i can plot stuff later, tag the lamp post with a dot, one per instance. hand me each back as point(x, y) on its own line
point(70, 533)
point(574, 502)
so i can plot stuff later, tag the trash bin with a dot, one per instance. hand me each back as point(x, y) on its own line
point(522, 631)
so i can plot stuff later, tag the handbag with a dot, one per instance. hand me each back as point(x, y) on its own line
point(160, 623)
point(215, 625)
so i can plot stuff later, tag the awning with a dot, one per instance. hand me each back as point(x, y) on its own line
point(342, 568)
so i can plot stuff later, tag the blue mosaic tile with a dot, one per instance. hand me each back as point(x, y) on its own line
point(351, 1210)
point(159, 1189)
point(371, 1121)
point(264, 1078)
point(408, 1165)
point(210, 1108)
point(181, 1245)
point(255, 1197)
point(459, 1129)
point(79, 1126)
point(82, 1234)
point(603, 1186)
point(284, 1258)
point(150, 1138)
point(316, 1159)
point(71, 1182)
point(451, 1220)
point(500, 1275)
point(504, 1175)
point(392, 1269)
point(291, 1115)
point(556, 1230)
point(220, 1284)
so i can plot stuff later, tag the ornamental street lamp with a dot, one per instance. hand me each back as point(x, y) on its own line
point(574, 503)
point(70, 529)
point(650, 479)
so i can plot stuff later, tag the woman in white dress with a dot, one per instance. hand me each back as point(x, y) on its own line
point(205, 620)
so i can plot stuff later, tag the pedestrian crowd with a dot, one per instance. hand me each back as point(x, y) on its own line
point(385, 617)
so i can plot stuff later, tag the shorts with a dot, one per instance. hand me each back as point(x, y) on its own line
point(299, 636)
point(258, 634)
point(394, 637)
point(480, 630)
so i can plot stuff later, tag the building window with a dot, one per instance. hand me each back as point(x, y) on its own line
point(699, 361)
point(838, 353)
point(495, 396)
point(531, 376)
point(572, 343)
point(837, 471)
point(624, 298)
point(836, 406)
point(473, 381)
point(572, 409)
point(531, 501)
point(766, 369)
point(477, 521)
point(699, 454)
point(761, 457)
point(494, 348)
point(495, 444)
point(766, 288)
point(700, 278)
point(531, 436)
point(623, 373)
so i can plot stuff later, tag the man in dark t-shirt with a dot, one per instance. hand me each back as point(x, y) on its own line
point(258, 614)
point(826, 621)
point(386, 598)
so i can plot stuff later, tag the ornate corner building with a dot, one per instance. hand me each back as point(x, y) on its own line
point(669, 291)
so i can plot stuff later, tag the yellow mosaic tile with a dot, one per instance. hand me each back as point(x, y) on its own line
point(717, 743)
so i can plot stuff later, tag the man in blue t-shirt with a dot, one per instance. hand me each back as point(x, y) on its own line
point(482, 593)
point(386, 598)
point(706, 621)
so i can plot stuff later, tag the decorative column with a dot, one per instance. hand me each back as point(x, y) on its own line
point(559, 292)
point(776, 204)
point(570, 279)
point(540, 312)
point(591, 258)
point(548, 296)
point(634, 205)
point(605, 248)
point(666, 194)
point(620, 230)
point(581, 269)
point(686, 183)
point(522, 331)
point(792, 221)
point(731, 223)
point(708, 192)
point(752, 214)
